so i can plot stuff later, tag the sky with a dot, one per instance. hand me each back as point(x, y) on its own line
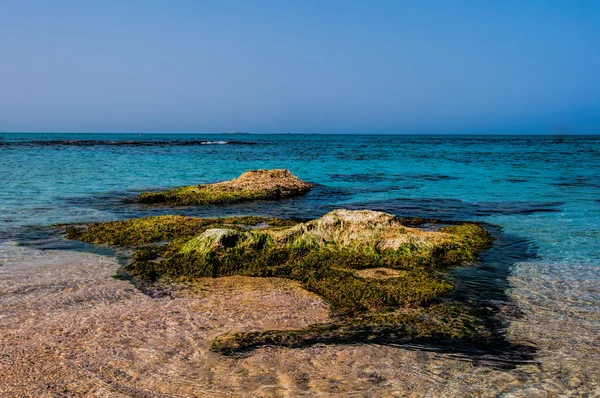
point(305, 66)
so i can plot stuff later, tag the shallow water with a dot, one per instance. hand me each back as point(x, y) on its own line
point(541, 194)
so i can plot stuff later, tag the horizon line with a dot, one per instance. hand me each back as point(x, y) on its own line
point(294, 133)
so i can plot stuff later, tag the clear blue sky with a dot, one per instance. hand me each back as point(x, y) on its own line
point(493, 66)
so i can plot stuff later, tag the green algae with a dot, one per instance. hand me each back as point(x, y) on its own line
point(436, 323)
point(319, 271)
point(141, 231)
point(326, 256)
point(252, 185)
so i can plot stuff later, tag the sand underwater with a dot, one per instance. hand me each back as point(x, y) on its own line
point(69, 327)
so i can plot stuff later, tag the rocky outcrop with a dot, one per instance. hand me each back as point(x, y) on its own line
point(330, 256)
point(252, 185)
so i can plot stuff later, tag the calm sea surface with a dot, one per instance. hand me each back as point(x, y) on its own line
point(541, 192)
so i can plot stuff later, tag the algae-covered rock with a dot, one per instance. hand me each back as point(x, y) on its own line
point(252, 185)
point(435, 323)
point(380, 276)
point(140, 231)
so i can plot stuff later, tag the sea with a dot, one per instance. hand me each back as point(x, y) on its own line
point(539, 194)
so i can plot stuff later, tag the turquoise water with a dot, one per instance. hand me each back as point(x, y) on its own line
point(543, 192)
point(546, 189)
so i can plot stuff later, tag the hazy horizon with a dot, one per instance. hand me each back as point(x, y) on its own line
point(557, 134)
point(406, 68)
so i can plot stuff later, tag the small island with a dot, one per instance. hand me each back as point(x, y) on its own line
point(251, 185)
point(383, 277)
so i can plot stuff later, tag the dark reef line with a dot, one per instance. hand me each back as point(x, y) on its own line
point(129, 143)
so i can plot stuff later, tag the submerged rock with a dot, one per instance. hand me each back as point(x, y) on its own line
point(330, 256)
point(252, 185)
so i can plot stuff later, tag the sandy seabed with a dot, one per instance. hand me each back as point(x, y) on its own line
point(69, 329)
